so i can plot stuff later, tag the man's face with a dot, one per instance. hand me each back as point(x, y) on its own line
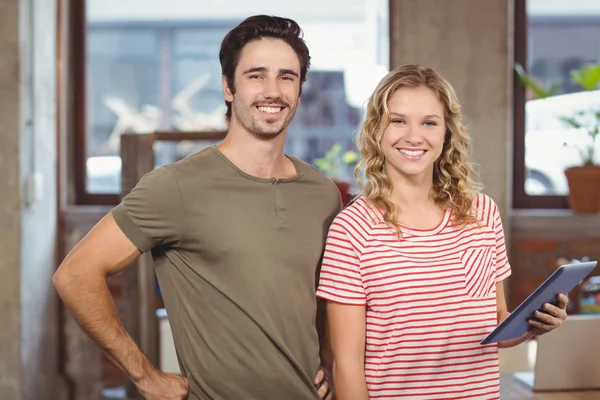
point(267, 87)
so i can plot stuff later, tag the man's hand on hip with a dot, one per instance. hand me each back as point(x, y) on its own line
point(323, 385)
point(158, 385)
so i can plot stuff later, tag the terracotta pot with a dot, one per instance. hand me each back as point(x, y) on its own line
point(344, 188)
point(584, 188)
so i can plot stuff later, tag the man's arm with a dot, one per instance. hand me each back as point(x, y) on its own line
point(324, 340)
point(81, 283)
point(323, 379)
point(324, 345)
point(347, 330)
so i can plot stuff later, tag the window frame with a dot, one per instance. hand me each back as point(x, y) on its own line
point(78, 122)
point(522, 200)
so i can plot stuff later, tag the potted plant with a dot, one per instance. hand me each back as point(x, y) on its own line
point(584, 179)
point(337, 165)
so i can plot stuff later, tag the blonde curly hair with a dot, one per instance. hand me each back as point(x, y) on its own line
point(454, 184)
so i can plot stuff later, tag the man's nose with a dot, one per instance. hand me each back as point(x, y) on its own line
point(272, 89)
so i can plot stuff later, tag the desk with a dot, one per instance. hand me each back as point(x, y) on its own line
point(513, 389)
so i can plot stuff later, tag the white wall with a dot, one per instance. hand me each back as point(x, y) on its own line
point(28, 302)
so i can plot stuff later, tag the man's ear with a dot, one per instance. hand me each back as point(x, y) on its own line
point(226, 91)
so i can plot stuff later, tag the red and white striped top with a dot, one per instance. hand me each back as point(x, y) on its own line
point(430, 299)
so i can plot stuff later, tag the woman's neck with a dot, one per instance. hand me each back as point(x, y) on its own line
point(414, 205)
point(408, 196)
point(410, 191)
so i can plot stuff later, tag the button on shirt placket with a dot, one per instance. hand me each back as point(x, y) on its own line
point(279, 199)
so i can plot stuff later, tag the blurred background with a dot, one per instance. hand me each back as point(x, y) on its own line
point(78, 78)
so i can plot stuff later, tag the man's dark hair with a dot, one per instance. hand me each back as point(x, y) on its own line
point(258, 27)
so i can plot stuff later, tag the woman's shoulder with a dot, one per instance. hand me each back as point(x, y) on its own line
point(484, 202)
point(485, 208)
point(356, 212)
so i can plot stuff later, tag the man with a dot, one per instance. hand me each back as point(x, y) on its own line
point(236, 232)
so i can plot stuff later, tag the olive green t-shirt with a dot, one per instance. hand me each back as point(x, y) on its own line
point(236, 257)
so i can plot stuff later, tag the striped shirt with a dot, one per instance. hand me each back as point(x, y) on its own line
point(430, 299)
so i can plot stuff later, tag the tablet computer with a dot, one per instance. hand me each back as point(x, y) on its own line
point(563, 280)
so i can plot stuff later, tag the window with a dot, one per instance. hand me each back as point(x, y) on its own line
point(553, 38)
point(153, 65)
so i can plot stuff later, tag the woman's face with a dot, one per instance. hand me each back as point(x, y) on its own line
point(414, 139)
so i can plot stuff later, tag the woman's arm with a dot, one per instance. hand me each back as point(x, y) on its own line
point(503, 314)
point(347, 332)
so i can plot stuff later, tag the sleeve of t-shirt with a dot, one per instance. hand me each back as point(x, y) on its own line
point(503, 269)
point(340, 280)
point(152, 213)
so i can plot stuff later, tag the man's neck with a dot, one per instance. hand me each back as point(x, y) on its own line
point(262, 158)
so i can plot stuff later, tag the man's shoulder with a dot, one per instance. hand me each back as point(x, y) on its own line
point(319, 189)
point(313, 173)
point(179, 176)
point(202, 160)
point(194, 170)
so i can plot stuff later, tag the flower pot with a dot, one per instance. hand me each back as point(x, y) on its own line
point(584, 188)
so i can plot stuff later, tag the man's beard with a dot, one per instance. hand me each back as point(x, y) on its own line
point(265, 135)
point(255, 125)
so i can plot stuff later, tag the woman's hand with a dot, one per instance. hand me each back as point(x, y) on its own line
point(551, 318)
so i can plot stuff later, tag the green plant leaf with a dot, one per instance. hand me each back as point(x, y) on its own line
point(587, 155)
point(530, 83)
point(350, 157)
point(322, 164)
point(572, 122)
point(587, 76)
point(334, 163)
point(335, 150)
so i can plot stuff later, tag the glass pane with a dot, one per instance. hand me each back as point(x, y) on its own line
point(122, 68)
point(154, 66)
point(562, 37)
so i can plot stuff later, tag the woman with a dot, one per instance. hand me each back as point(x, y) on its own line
point(413, 269)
